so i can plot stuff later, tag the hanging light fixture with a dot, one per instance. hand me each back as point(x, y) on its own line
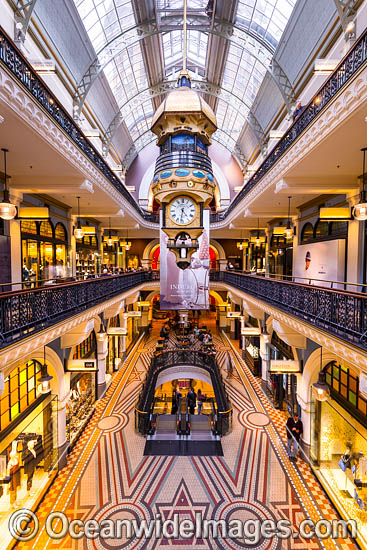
point(242, 243)
point(321, 389)
point(44, 385)
point(360, 210)
point(110, 239)
point(8, 211)
point(78, 231)
point(258, 240)
point(288, 232)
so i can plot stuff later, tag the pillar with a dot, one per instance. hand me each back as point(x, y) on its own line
point(15, 244)
point(232, 330)
point(124, 318)
point(222, 265)
point(222, 317)
point(102, 351)
point(73, 246)
point(306, 421)
point(62, 442)
point(265, 361)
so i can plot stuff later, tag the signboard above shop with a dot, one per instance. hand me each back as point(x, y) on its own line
point(233, 314)
point(285, 366)
point(81, 365)
point(117, 331)
point(250, 331)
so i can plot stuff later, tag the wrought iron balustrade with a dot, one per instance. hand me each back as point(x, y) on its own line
point(22, 70)
point(345, 71)
point(185, 159)
point(339, 312)
point(26, 312)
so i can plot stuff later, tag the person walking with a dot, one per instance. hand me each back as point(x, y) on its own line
point(191, 400)
point(201, 399)
point(294, 431)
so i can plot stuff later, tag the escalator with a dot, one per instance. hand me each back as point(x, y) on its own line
point(185, 434)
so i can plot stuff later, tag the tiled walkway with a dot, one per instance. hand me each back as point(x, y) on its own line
point(109, 478)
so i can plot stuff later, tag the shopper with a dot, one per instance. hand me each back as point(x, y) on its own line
point(201, 399)
point(294, 431)
point(191, 400)
point(298, 110)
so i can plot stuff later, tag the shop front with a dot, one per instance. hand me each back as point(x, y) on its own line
point(250, 344)
point(88, 260)
point(115, 344)
point(28, 443)
point(281, 386)
point(83, 383)
point(45, 252)
point(339, 445)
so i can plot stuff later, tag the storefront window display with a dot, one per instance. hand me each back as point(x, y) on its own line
point(87, 257)
point(80, 406)
point(45, 252)
point(339, 446)
point(28, 460)
point(115, 347)
point(282, 388)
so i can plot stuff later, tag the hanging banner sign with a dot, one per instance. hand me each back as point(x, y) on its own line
point(250, 331)
point(117, 331)
point(81, 365)
point(285, 366)
point(233, 314)
point(133, 314)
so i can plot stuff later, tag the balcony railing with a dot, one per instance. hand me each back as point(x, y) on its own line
point(186, 159)
point(21, 69)
point(339, 312)
point(349, 66)
point(26, 312)
point(190, 358)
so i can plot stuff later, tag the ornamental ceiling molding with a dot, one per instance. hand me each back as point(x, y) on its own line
point(30, 344)
point(25, 108)
point(341, 349)
point(340, 108)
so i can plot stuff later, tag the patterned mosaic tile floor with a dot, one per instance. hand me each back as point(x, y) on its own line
point(108, 477)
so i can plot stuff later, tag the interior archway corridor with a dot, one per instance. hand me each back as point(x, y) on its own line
point(107, 476)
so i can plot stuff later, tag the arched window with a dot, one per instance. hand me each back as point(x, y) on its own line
point(339, 228)
point(344, 384)
point(87, 348)
point(321, 229)
point(28, 226)
point(20, 391)
point(60, 232)
point(307, 232)
point(46, 229)
point(213, 258)
point(155, 258)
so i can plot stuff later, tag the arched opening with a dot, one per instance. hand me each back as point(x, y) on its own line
point(307, 233)
point(155, 257)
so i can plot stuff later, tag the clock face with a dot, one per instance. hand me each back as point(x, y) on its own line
point(182, 210)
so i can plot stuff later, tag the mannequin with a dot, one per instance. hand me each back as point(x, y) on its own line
point(14, 474)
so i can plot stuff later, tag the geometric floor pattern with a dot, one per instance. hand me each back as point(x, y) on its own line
point(108, 477)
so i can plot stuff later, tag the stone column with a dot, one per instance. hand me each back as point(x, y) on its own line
point(306, 421)
point(222, 265)
point(124, 318)
point(73, 246)
point(102, 352)
point(15, 244)
point(232, 330)
point(265, 361)
point(62, 442)
point(222, 317)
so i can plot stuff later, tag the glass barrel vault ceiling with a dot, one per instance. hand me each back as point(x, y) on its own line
point(245, 68)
